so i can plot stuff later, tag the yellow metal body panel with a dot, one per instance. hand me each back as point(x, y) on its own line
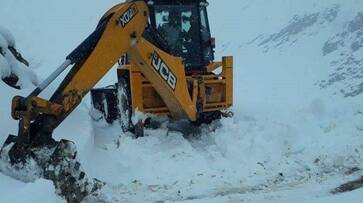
point(178, 100)
point(114, 42)
point(215, 91)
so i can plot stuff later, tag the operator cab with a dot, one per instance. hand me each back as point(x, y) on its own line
point(184, 27)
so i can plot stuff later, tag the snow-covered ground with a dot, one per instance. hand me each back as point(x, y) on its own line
point(298, 125)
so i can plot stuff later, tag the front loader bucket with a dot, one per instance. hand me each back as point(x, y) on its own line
point(56, 162)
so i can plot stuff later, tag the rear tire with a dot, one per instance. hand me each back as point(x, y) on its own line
point(124, 102)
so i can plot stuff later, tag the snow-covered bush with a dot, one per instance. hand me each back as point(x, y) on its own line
point(10, 66)
point(5, 69)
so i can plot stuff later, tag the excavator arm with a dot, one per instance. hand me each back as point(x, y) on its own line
point(118, 31)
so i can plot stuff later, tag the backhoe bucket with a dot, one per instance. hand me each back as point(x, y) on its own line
point(56, 162)
point(19, 161)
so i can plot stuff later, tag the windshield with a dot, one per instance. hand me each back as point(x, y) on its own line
point(179, 27)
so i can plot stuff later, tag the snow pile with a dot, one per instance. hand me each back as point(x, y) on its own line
point(40, 191)
point(250, 153)
point(9, 64)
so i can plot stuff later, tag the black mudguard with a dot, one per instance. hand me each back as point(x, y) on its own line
point(105, 101)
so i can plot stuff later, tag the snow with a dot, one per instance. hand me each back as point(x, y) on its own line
point(4, 65)
point(27, 78)
point(3, 42)
point(10, 40)
point(14, 191)
point(5, 69)
point(289, 141)
point(9, 64)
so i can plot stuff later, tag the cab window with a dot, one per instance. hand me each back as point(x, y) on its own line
point(179, 26)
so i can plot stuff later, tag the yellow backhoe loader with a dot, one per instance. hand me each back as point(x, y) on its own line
point(167, 68)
